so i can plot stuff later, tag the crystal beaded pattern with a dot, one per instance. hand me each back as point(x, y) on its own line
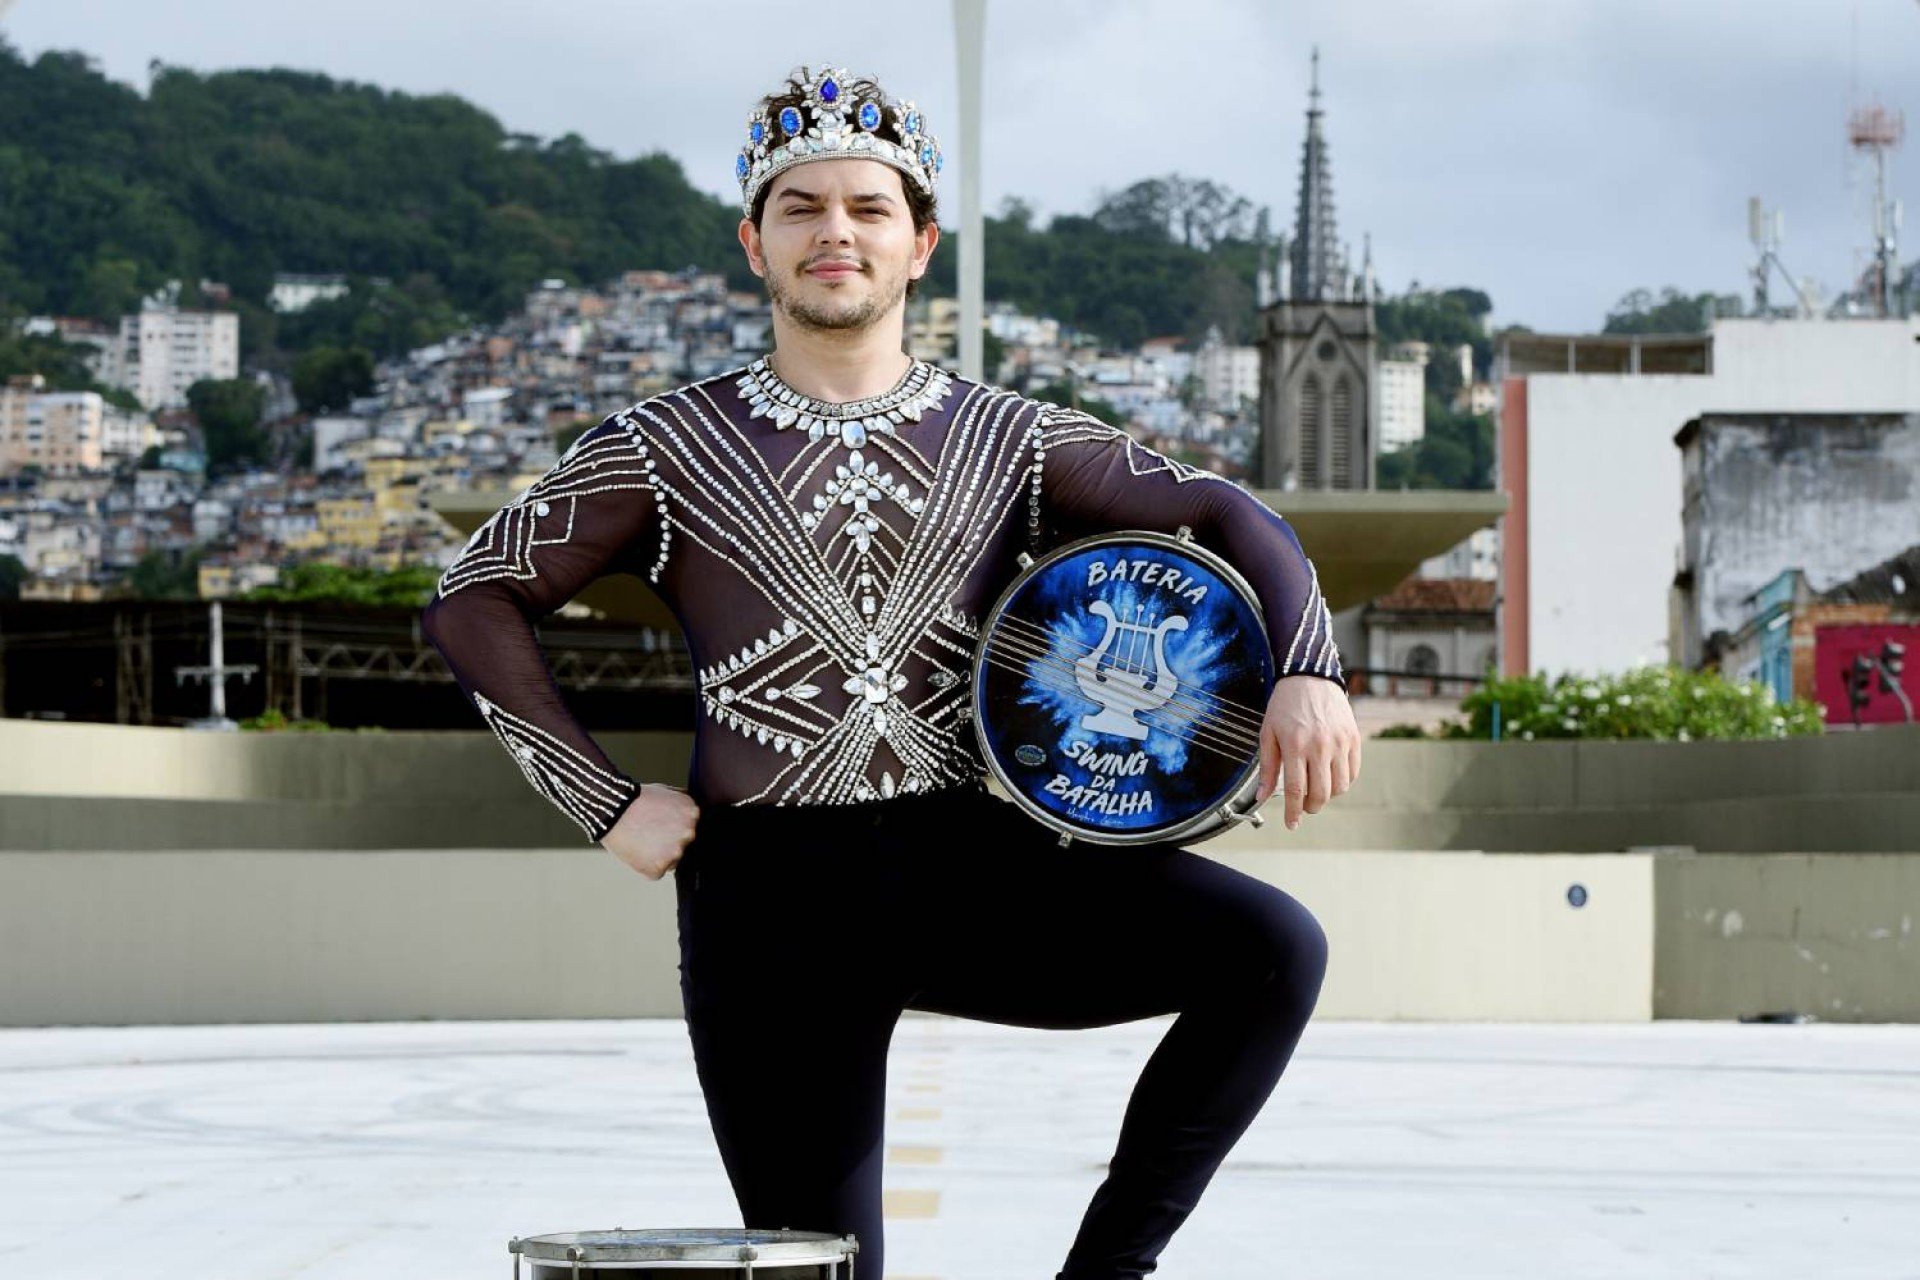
point(831, 565)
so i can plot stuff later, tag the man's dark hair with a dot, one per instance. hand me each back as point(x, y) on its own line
point(920, 204)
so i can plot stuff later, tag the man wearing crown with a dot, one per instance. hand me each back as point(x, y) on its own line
point(829, 523)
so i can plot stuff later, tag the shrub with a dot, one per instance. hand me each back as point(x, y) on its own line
point(1647, 702)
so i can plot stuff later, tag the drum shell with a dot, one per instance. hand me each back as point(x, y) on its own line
point(684, 1271)
point(718, 1252)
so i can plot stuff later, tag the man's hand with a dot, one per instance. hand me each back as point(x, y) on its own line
point(654, 831)
point(1309, 733)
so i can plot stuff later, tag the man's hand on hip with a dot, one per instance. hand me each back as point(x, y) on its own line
point(655, 830)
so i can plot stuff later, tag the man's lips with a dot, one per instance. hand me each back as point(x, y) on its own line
point(834, 270)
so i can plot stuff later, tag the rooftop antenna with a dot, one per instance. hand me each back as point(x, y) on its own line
point(1767, 228)
point(1876, 130)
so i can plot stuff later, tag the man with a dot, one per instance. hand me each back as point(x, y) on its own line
point(829, 524)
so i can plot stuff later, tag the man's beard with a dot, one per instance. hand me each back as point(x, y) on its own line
point(846, 316)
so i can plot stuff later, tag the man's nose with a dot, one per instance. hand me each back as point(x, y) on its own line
point(836, 226)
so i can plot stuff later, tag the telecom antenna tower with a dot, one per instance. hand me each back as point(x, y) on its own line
point(1767, 228)
point(1875, 130)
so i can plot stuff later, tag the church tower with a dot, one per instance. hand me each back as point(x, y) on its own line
point(1317, 343)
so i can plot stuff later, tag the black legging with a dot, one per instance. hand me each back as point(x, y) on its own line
point(806, 930)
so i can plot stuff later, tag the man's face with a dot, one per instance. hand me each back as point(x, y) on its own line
point(836, 243)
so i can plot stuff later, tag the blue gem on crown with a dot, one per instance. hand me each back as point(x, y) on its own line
point(755, 132)
point(790, 123)
point(740, 165)
point(829, 91)
point(869, 116)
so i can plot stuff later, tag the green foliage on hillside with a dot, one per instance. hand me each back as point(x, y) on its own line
point(441, 216)
point(235, 175)
point(406, 587)
point(1457, 451)
point(1671, 312)
point(228, 411)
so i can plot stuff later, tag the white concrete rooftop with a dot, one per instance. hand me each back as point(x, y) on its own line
point(1670, 1149)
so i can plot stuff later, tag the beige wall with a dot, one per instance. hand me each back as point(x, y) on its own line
point(85, 786)
point(159, 875)
point(278, 935)
point(1836, 936)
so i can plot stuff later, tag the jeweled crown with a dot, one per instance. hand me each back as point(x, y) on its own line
point(837, 118)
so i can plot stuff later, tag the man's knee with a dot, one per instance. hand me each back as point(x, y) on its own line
point(1292, 948)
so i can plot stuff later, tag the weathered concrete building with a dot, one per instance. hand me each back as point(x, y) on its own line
point(1591, 541)
point(1831, 494)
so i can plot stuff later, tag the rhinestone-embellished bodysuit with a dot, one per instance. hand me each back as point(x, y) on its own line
point(830, 565)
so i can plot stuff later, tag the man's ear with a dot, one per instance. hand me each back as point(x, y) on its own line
point(929, 236)
point(750, 241)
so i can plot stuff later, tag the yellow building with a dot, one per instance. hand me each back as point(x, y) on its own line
point(350, 522)
point(384, 472)
point(60, 432)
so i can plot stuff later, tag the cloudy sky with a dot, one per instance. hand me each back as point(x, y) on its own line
point(1555, 153)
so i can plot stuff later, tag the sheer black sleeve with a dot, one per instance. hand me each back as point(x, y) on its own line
point(528, 559)
point(1101, 477)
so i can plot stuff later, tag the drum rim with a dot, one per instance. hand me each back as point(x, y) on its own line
point(770, 1247)
point(1208, 822)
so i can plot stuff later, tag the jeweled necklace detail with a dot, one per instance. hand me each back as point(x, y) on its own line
point(921, 388)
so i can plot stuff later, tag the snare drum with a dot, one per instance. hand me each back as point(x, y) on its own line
point(726, 1251)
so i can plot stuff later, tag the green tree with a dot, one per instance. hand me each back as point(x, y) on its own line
point(406, 587)
point(12, 574)
point(228, 411)
point(1671, 312)
point(328, 378)
point(1444, 319)
point(166, 575)
point(1456, 453)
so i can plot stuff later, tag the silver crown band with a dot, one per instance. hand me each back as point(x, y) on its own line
point(832, 124)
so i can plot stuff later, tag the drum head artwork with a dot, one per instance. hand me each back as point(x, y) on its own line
point(1122, 682)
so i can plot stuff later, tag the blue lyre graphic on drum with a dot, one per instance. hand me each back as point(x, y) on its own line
point(1118, 688)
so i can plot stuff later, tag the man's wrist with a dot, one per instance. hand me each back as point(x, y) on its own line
point(620, 812)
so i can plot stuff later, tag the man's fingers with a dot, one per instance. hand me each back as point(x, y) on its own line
point(1293, 768)
point(1341, 778)
point(1269, 768)
point(1319, 778)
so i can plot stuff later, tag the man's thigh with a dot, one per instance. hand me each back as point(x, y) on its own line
point(1090, 935)
point(790, 1046)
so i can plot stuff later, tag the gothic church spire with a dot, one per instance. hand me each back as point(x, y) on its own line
point(1315, 252)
